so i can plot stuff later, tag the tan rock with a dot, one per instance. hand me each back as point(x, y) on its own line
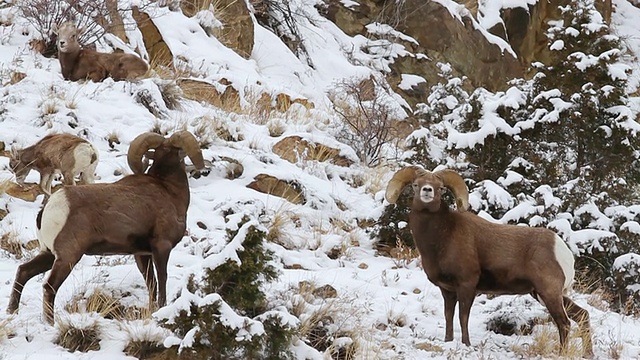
point(326, 292)
point(268, 184)
point(28, 192)
point(295, 148)
point(203, 91)
point(284, 102)
point(238, 32)
point(159, 52)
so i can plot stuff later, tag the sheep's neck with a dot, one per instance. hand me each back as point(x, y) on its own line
point(27, 156)
point(175, 182)
point(429, 228)
point(68, 61)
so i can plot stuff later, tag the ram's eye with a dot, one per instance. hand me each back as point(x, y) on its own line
point(414, 185)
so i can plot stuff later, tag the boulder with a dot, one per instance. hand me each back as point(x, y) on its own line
point(27, 192)
point(198, 90)
point(289, 190)
point(295, 148)
point(237, 31)
point(159, 52)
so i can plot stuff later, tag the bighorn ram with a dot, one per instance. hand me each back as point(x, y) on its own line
point(464, 254)
point(78, 63)
point(141, 214)
point(66, 153)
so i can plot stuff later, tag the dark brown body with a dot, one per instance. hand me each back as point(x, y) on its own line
point(77, 63)
point(142, 214)
point(464, 254)
point(92, 65)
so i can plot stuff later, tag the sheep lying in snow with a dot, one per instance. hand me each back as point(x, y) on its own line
point(141, 214)
point(65, 153)
point(79, 64)
point(464, 254)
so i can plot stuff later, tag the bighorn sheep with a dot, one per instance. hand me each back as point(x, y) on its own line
point(141, 214)
point(79, 64)
point(64, 153)
point(464, 254)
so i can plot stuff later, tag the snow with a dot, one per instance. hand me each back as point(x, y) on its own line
point(410, 80)
point(393, 306)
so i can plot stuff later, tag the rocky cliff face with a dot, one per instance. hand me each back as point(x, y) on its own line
point(453, 34)
point(486, 44)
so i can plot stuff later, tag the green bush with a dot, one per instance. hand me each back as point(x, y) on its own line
point(223, 313)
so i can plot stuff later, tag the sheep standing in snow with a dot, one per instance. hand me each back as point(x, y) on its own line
point(64, 153)
point(143, 214)
point(464, 254)
point(79, 64)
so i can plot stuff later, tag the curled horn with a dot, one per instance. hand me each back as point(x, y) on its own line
point(399, 180)
point(139, 146)
point(456, 184)
point(187, 142)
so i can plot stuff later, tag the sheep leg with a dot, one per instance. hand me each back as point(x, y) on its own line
point(161, 251)
point(45, 182)
point(466, 294)
point(450, 300)
point(88, 176)
point(554, 304)
point(69, 178)
point(59, 272)
point(39, 264)
point(580, 316)
point(145, 265)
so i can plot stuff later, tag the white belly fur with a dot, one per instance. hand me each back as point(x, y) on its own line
point(54, 217)
point(566, 261)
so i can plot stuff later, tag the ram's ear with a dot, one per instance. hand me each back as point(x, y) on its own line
point(55, 28)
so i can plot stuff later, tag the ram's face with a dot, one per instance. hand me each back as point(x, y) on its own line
point(68, 36)
point(427, 190)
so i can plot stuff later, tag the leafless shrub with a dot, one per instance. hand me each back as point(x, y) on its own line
point(279, 16)
point(43, 14)
point(367, 116)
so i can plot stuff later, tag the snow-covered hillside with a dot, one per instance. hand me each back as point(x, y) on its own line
point(387, 306)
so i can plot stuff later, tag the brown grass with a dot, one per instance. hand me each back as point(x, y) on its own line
point(75, 337)
point(402, 254)
point(49, 107)
point(325, 319)
point(6, 329)
point(101, 302)
point(276, 127)
point(113, 138)
point(546, 344)
point(209, 128)
point(145, 339)
point(107, 305)
point(4, 185)
point(9, 242)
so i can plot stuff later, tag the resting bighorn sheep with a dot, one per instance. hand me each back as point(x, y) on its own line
point(464, 254)
point(79, 64)
point(141, 214)
point(66, 153)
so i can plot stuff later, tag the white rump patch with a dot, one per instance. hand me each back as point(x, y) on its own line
point(82, 155)
point(53, 219)
point(566, 261)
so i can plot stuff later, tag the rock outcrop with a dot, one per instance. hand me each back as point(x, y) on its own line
point(450, 34)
